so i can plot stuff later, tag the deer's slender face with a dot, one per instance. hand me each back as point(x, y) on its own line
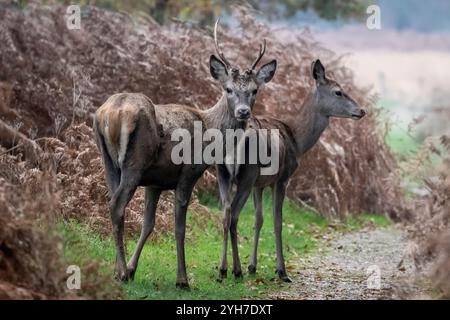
point(241, 89)
point(332, 100)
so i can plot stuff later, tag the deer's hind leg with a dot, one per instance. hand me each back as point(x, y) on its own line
point(151, 202)
point(121, 198)
point(121, 187)
point(130, 176)
point(112, 172)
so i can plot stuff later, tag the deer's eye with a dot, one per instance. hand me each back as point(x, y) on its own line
point(254, 92)
point(338, 93)
point(229, 91)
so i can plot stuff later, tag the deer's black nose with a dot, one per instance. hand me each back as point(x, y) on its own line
point(244, 113)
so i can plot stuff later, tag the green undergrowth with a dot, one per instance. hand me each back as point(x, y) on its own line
point(156, 275)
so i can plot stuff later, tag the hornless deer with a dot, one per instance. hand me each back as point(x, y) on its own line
point(296, 137)
point(134, 138)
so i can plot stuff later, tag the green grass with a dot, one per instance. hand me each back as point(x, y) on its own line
point(402, 143)
point(356, 223)
point(156, 275)
point(408, 150)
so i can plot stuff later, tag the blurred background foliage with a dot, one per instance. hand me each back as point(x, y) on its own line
point(204, 11)
point(329, 10)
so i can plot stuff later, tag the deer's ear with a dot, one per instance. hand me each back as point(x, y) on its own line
point(266, 72)
point(318, 71)
point(218, 69)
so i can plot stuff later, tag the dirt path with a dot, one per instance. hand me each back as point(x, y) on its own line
point(349, 267)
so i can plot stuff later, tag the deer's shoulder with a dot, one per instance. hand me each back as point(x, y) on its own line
point(177, 115)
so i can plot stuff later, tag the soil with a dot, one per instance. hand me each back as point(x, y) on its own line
point(348, 269)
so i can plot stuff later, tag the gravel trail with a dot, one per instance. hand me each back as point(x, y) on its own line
point(359, 265)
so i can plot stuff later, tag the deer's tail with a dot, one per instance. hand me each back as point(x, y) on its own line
point(126, 128)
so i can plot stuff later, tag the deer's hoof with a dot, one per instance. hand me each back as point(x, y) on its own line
point(222, 273)
point(238, 274)
point(121, 276)
point(283, 276)
point(130, 273)
point(183, 285)
point(251, 269)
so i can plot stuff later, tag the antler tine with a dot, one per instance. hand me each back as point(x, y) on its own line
point(219, 53)
point(262, 50)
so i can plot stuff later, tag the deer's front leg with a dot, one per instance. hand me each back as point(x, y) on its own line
point(236, 207)
point(246, 180)
point(182, 196)
point(279, 191)
point(225, 185)
point(259, 219)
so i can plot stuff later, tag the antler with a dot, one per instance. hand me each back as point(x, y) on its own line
point(262, 50)
point(219, 53)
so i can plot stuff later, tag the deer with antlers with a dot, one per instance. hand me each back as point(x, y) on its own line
point(296, 137)
point(134, 138)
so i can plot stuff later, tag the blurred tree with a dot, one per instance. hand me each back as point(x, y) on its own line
point(202, 11)
point(158, 11)
point(205, 11)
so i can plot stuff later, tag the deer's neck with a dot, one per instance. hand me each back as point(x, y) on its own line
point(220, 117)
point(308, 125)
